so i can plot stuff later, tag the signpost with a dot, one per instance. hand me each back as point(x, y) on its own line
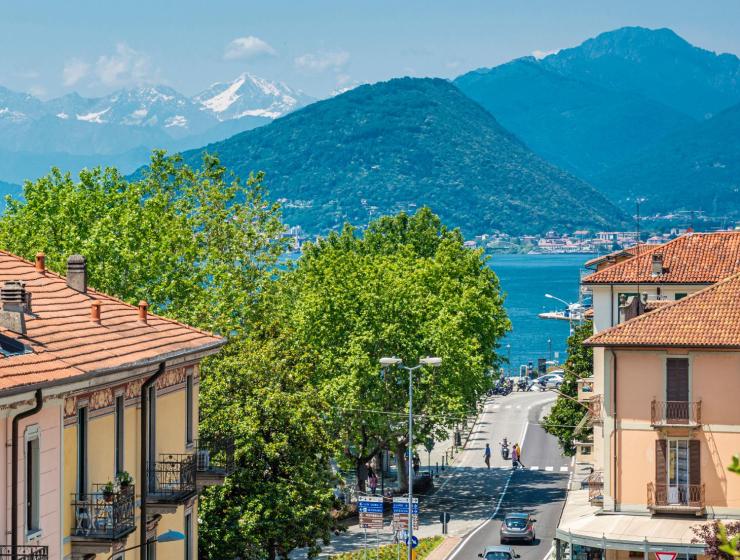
point(401, 513)
point(444, 519)
point(370, 509)
point(666, 555)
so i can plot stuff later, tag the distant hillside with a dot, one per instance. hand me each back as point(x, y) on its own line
point(695, 169)
point(406, 143)
point(577, 125)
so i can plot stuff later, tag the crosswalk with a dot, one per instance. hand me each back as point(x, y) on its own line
point(548, 469)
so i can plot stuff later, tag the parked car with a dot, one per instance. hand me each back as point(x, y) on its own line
point(551, 380)
point(498, 553)
point(517, 527)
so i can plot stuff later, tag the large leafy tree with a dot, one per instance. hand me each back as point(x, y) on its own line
point(409, 288)
point(567, 412)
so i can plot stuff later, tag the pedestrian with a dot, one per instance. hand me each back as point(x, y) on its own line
point(373, 479)
point(519, 455)
point(487, 456)
point(514, 457)
point(416, 463)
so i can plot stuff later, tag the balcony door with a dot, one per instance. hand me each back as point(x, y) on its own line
point(677, 390)
point(678, 471)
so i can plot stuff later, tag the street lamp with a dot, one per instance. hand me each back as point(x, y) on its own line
point(508, 352)
point(429, 361)
point(167, 536)
point(569, 306)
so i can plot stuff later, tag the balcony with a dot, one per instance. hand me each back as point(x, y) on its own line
point(594, 409)
point(585, 389)
point(678, 414)
point(214, 461)
point(595, 482)
point(688, 499)
point(100, 518)
point(171, 481)
point(24, 552)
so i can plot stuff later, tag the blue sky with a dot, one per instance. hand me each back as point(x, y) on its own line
point(317, 45)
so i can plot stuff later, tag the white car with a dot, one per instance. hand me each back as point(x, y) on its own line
point(552, 380)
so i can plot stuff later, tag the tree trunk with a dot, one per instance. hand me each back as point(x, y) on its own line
point(271, 552)
point(361, 472)
point(403, 479)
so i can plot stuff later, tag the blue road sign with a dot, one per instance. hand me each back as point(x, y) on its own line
point(414, 542)
point(403, 508)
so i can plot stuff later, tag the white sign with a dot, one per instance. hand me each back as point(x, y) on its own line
point(666, 555)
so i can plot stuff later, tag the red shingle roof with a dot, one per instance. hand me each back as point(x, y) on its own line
point(66, 343)
point(695, 258)
point(709, 318)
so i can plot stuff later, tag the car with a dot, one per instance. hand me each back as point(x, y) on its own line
point(498, 553)
point(549, 380)
point(517, 527)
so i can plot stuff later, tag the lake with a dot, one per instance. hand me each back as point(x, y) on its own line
point(525, 279)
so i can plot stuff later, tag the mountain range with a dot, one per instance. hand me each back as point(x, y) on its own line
point(400, 144)
point(121, 128)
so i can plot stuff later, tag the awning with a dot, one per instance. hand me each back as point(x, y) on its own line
point(582, 524)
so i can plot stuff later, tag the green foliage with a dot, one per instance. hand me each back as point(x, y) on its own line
point(407, 288)
point(390, 551)
point(567, 411)
point(280, 497)
point(735, 466)
point(197, 244)
point(721, 540)
point(378, 148)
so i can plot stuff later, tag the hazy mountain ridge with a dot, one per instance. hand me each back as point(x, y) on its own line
point(405, 143)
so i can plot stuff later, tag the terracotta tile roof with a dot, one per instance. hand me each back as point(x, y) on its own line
point(695, 258)
point(709, 318)
point(653, 304)
point(65, 342)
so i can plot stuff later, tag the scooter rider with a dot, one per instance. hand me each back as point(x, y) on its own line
point(505, 449)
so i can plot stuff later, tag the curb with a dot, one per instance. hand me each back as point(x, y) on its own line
point(444, 548)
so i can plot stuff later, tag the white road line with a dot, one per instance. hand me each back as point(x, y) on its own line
point(534, 468)
point(563, 469)
point(495, 512)
point(508, 406)
point(495, 406)
point(549, 469)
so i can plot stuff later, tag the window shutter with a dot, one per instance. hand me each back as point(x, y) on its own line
point(677, 379)
point(694, 461)
point(661, 450)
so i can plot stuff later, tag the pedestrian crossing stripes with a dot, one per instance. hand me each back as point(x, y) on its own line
point(548, 469)
point(534, 468)
point(563, 469)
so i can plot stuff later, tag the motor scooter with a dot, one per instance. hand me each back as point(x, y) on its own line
point(505, 450)
point(521, 385)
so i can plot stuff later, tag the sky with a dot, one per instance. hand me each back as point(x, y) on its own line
point(319, 46)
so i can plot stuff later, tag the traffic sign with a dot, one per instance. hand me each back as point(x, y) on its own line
point(370, 509)
point(444, 517)
point(666, 555)
point(414, 541)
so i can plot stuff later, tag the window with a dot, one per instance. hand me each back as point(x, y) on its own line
point(680, 295)
point(188, 536)
point(120, 415)
point(33, 477)
point(189, 409)
point(82, 451)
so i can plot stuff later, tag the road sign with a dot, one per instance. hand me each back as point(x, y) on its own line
point(429, 445)
point(403, 535)
point(666, 555)
point(401, 505)
point(414, 541)
point(444, 517)
point(370, 509)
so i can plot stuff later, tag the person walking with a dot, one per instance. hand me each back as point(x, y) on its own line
point(519, 454)
point(514, 457)
point(416, 463)
point(487, 456)
point(373, 480)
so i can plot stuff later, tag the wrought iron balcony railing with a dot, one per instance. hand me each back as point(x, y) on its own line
point(215, 456)
point(595, 409)
point(675, 413)
point(103, 515)
point(24, 552)
point(595, 487)
point(172, 477)
point(687, 498)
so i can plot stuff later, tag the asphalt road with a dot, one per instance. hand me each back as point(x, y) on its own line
point(494, 493)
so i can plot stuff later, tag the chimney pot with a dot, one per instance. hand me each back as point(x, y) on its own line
point(143, 309)
point(40, 263)
point(657, 264)
point(14, 302)
point(77, 273)
point(95, 311)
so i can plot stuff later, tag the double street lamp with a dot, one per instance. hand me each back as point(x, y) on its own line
point(397, 362)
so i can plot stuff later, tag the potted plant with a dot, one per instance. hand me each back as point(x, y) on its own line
point(108, 491)
point(125, 480)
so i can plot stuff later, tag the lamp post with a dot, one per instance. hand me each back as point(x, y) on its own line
point(568, 305)
point(508, 352)
point(167, 536)
point(397, 362)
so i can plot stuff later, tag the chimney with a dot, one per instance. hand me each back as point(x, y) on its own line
point(657, 264)
point(77, 273)
point(631, 307)
point(143, 307)
point(13, 299)
point(95, 311)
point(40, 263)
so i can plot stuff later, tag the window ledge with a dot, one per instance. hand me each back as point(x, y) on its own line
point(34, 535)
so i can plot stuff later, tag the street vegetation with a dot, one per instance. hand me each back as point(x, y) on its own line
point(299, 385)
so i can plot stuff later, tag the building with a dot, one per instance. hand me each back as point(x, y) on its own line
point(95, 392)
point(660, 402)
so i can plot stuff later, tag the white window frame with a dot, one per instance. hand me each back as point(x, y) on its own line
point(32, 434)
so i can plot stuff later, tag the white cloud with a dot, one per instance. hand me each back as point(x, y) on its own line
point(37, 91)
point(539, 55)
point(74, 70)
point(125, 66)
point(248, 47)
point(322, 61)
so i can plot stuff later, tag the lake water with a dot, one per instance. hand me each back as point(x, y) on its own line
point(525, 279)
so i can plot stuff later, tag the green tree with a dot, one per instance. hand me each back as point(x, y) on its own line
point(408, 287)
point(567, 412)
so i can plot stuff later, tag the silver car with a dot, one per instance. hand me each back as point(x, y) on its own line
point(517, 527)
point(498, 553)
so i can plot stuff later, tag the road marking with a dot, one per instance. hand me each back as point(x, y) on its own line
point(465, 541)
point(495, 406)
point(508, 406)
point(534, 468)
point(549, 469)
point(563, 469)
